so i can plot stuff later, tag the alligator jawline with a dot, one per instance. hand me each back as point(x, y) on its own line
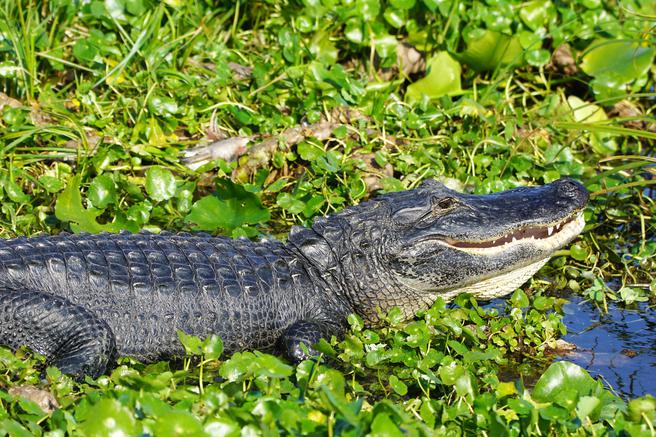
point(530, 232)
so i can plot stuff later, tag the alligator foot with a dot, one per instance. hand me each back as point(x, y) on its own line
point(69, 336)
point(303, 332)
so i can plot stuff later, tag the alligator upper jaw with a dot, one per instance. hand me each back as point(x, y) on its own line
point(547, 238)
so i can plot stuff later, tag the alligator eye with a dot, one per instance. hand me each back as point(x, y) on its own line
point(444, 203)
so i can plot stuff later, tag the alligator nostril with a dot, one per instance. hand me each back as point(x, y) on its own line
point(570, 188)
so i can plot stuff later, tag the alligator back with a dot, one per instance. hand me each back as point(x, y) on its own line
point(147, 286)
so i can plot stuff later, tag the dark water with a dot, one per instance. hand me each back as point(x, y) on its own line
point(619, 347)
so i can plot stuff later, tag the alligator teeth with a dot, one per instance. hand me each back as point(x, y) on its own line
point(550, 230)
point(558, 226)
point(514, 239)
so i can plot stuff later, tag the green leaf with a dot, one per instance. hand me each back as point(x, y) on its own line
point(519, 299)
point(212, 347)
point(85, 51)
point(271, 366)
point(162, 105)
point(383, 426)
point(537, 58)
point(12, 428)
point(51, 183)
point(102, 191)
point(139, 213)
point(353, 31)
point(584, 112)
point(160, 183)
point(578, 252)
point(559, 378)
point(403, 4)
point(178, 423)
point(68, 208)
point(488, 50)
point(289, 203)
point(625, 60)
point(443, 78)
point(192, 344)
point(230, 208)
point(397, 385)
point(309, 151)
point(642, 407)
point(588, 406)
point(14, 191)
point(109, 418)
point(367, 9)
point(535, 13)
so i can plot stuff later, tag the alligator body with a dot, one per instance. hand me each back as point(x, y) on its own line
point(82, 300)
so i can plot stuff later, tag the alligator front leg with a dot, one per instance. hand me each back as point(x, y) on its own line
point(70, 337)
point(304, 332)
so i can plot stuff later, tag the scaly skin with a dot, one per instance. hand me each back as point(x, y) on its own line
point(139, 289)
point(82, 300)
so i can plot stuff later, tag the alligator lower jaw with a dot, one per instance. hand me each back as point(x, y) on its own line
point(500, 285)
point(544, 238)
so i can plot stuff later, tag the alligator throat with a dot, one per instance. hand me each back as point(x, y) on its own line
point(500, 285)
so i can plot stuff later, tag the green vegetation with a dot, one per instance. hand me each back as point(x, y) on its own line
point(100, 102)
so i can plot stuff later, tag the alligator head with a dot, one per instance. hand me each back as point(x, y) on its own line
point(405, 249)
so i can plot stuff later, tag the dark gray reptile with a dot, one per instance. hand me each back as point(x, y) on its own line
point(82, 300)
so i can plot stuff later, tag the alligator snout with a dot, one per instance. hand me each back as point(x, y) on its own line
point(572, 191)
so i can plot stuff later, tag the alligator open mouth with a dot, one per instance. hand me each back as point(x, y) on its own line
point(546, 239)
point(544, 236)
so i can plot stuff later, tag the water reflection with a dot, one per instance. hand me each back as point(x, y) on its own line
point(619, 347)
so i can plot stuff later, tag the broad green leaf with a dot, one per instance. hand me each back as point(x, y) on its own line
point(289, 203)
point(353, 31)
point(178, 423)
point(51, 183)
point(644, 407)
point(443, 78)
point(584, 112)
point(109, 418)
point(367, 9)
point(535, 13)
point(588, 406)
point(324, 49)
point(160, 183)
point(309, 151)
point(271, 366)
point(102, 191)
point(192, 344)
point(14, 191)
point(394, 17)
point(383, 426)
point(85, 51)
point(537, 58)
point(519, 299)
point(212, 347)
point(12, 428)
point(385, 45)
point(162, 105)
point(68, 208)
point(488, 50)
point(625, 60)
point(563, 376)
point(403, 4)
point(230, 208)
point(397, 385)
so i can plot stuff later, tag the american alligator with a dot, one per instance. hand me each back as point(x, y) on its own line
point(82, 300)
